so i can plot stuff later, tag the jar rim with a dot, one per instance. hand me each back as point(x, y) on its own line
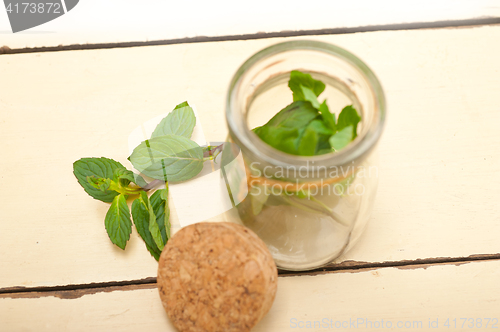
point(359, 148)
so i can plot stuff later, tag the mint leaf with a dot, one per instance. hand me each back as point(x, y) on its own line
point(349, 117)
point(320, 127)
point(117, 221)
point(164, 193)
point(296, 115)
point(169, 158)
point(328, 117)
point(307, 127)
point(324, 150)
point(314, 138)
point(119, 184)
point(123, 176)
point(298, 78)
point(159, 202)
point(341, 138)
point(99, 168)
point(180, 121)
point(139, 180)
point(154, 228)
point(308, 142)
point(310, 96)
point(181, 105)
point(100, 183)
point(256, 130)
point(140, 214)
point(319, 140)
point(303, 141)
point(283, 139)
point(296, 129)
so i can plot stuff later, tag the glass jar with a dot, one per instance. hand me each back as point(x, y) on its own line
point(308, 210)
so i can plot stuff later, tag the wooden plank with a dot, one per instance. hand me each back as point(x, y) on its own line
point(439, 155)
point(410, 297)
point(93, 21)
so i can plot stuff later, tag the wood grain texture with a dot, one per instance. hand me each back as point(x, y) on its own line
point(440, 154)
point(118, 21)
point(414, 297)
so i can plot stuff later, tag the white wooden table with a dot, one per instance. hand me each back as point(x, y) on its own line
point(429, 256)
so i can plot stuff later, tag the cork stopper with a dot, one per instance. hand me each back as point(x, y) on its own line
point(216, 277)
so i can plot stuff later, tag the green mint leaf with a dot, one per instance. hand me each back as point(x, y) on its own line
point(341, 138)
point(323, 151)
point(169, 158)
point(140, 214)
point(123, 176)
point(256, 130)
point(117, 221)
point(99, 168)
point(159, 202)
point(100, 183)
point(164, 193)
point(314, 138)
point(283, 139)
point(308, 142)
point(349, 117)
point(296, 115)
point(320, 127)
point(324, 144)
point(181, 105)
point(310, 96)
point(307, 127)
point(298, 78)
point(154, 228)
point(139, 180)
point(294, 129)
point(328, 117)
point(180, 121)
point(119, 184)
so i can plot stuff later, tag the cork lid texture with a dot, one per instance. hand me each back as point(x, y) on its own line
point(216, 277)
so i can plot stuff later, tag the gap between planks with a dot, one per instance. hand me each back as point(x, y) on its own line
point(262, 35)
point(79, 290)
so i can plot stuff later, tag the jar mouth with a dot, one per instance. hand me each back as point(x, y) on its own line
point(245, 138)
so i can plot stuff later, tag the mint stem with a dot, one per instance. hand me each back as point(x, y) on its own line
point(152, 184)
point(211, 150)
point(209, 154)
point(322, 208)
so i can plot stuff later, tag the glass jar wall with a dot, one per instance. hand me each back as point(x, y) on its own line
point(308, 210)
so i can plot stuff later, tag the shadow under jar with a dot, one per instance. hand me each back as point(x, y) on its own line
point(308, 210)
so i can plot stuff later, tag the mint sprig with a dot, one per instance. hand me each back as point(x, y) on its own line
point(170, 156)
